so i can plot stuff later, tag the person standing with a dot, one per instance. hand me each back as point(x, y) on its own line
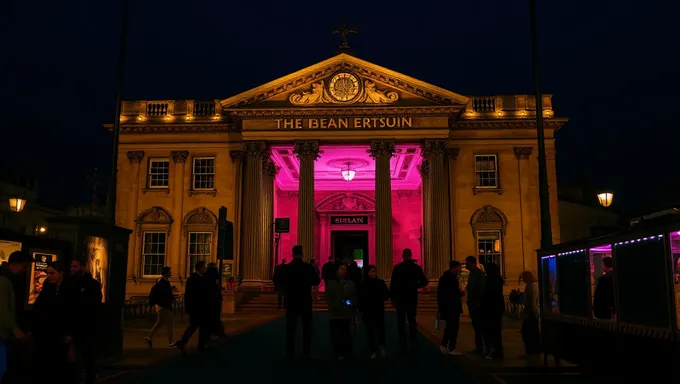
point(278, 283)
point(450, 307)
point(12, 336)
point(474, 293)
point(214, 302)
point(298, 279)
point(373, 293)
point(603, 299)
point(196, 304)
point(162, 298)
point(328, 270)
point(493, 306)
point(407, 278)
point(531, 334)
point(86, 301)
point(341, 296)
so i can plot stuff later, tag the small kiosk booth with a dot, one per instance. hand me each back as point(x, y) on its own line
point(642, 336)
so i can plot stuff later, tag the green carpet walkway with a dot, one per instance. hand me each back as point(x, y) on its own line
point(257, 356)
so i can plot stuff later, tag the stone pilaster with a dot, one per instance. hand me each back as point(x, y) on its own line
point(266, 260)
point(175, 252)
point(435, 151)
point(528, 224)
point(251, 245)
point(307, 152)
point(237, 158)
point(452, 157)
point(382, 151)
point(135, 158)
point(426, 196)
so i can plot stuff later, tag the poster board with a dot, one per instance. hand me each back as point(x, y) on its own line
point(39, 274)
point(97, 259)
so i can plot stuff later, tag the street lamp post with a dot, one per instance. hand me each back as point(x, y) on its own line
point(543, 193)
point(17, 204)
point(605, 198)
point(111, 196)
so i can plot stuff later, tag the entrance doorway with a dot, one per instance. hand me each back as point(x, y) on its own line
point(352, 245)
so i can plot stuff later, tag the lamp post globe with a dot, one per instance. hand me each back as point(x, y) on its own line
point(17, 204)
point(605, 198)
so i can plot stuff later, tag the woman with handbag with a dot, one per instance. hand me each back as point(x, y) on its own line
point(373, 293)
point(341, 296)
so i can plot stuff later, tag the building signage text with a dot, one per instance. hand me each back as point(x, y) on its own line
point(349, 220)
point(345, 123)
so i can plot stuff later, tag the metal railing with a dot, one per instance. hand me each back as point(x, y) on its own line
point(138, 307)
point(512, 310)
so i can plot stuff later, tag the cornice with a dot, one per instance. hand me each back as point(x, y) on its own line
point(177, 128)
point(552, 123)
point(273, 113)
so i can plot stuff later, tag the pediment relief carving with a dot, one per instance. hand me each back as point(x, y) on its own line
point(155, 215)
point(346, 202)
point(488, 218)
point(200, 216)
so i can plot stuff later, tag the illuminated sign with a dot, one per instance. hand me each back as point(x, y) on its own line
point(345, 122)
point(349, 220)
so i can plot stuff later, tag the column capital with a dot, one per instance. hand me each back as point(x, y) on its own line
point(381, 148)
point(453, 153)
point(306, 149)
point(237, 157)
point(256, 150)
point(523, 152)
point(424, 168)
point(135, 156)
point(434, 147)
point(270, 169)
point(179, 156)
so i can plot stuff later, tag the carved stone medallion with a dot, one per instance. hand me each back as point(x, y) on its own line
point(344, 86)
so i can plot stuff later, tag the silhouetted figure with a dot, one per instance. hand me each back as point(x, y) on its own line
point(162, 298)
point(197, 296)
point(298, 280)
point(531, 334)
point(354, 272)
point(277, 279)
point(407, 278)
point(493, 306)
point(603, 299)
point(212, 276)
point(341, 296)
point(450, 307)
point(474, 293)
point(373, 293)
point(86, 306)
point(328, 270)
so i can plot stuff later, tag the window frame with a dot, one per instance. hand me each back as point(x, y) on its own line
point(207, 259)
point(143, 254)
point(193, 172)
point(501, 254)
point(496, 171)
point(149, 173)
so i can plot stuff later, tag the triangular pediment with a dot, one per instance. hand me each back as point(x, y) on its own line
point(344, 81)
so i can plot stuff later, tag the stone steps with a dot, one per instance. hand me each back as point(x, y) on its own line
point(268, 302)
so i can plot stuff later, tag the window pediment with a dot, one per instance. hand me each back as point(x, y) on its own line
point(200, 220)
point(488, 218)
point(155, 215)
point(347, 202)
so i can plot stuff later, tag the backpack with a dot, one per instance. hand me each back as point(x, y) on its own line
point(153, 294)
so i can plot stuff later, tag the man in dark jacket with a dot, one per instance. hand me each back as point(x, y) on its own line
point(450, 307)
point(162, 298)
point(196, 296)
point(603, 299)
point(298, 280)
point(475, 291)
point(86, 307)
point(278, 283)
point(407, 278)
point(329, 270)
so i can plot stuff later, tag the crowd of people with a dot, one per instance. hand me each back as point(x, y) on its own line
point(57, 338)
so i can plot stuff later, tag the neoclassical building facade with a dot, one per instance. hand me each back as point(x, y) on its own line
point(349, 159)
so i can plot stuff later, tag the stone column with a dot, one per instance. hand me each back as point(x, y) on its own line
point(382, 151)
point(176, 252)
point(265, 262)
point(135, 158)
point(426, 195)
point(307, 152)
point(452, 156)
point(251, 245)
point(237, 158)
point(435, 152)
point(527, 223)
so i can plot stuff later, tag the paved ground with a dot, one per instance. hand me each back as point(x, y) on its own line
point(257, 355)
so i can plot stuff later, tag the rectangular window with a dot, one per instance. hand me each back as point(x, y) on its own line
point(159, 173)
point(486, 171)
point(204, 173)
point(489, 246)
point(153, 253)
point(200, 245)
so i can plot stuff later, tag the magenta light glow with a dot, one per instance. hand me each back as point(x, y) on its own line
point(602, 248)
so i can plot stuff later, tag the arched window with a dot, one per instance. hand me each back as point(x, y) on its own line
point(153, 226)
point(488, 227)
point(200, 231)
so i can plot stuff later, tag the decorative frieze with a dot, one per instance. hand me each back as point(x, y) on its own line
point(306, 149)
point(135, 156)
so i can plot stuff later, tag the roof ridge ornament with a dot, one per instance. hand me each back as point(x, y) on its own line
point(344, 31)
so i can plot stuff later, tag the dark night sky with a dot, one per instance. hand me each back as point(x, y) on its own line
point(611, 66)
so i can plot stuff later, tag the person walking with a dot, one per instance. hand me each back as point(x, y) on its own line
point(298, 279)
point(162, 298)
point(407, 279)
point(531, 334)
point(197, 295)
point(341, 296)
point(373, 293)
point(492, 308)
point(474, 294)
point(450, 307)
point(214, 301)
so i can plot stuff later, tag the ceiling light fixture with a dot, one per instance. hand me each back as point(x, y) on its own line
point(348, 174)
